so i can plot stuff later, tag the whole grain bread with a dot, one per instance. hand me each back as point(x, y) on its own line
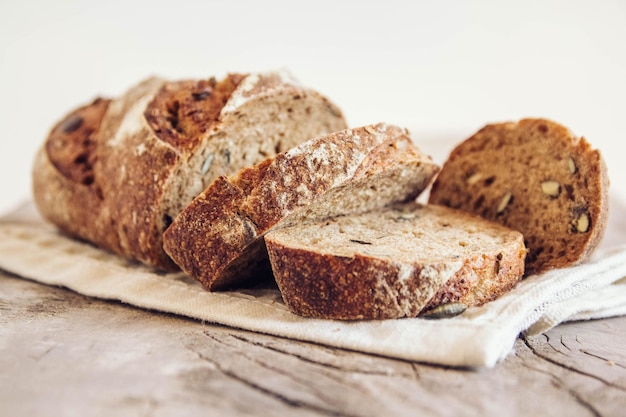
point(116, 172)
point(218, 238)
point(534, 176)
point(394, 262)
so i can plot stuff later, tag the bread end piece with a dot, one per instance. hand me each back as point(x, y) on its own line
point(534, 176)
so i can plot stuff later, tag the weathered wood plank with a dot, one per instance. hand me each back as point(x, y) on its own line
point(65, 354)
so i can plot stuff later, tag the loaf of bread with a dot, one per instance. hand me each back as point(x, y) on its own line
point(218, 238)
point(394, 262)
point(225, 179)
point(117, 172)
point(536, 177)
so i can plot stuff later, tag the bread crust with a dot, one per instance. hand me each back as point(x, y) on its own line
point(483, 278)
point(534, 176)
point(144, 178)
point(62, 195)
point(346, 281)
point(326, 176)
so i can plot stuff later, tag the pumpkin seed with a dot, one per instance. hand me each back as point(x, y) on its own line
point(444, 311)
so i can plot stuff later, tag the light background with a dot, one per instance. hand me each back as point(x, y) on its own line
point(441, 68)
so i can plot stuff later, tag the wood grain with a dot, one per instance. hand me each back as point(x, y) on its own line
point(66, 354)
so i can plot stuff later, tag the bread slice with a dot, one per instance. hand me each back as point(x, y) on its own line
point(116, 172)
point(534, 176)
point(394, 262)
point(218, 239)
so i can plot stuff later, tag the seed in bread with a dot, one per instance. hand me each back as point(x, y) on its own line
point(394, 262)
point(534, 176)
point(218, 238)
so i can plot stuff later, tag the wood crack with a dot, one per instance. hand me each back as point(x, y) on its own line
point(262, 389)
point(577, 397)
point(312, 361)
point(564, 345)
point(42, 355)
point(558, 382)
point(569, 368)
point(608, 361)
point(416, 372)
point(173, 365)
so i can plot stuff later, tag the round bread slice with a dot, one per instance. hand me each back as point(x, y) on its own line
point(218, 238)
point(394, 262)
point(534, 176)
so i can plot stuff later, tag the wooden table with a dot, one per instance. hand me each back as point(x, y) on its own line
point(63, 354)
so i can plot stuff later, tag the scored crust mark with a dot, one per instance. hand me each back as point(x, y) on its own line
point(72, 142)
point(534, 176)
point(181, 112)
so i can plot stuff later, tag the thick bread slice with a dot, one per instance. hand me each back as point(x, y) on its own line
point(393, 262)
point(218, 239)
point(534, 176)
point(117, 172)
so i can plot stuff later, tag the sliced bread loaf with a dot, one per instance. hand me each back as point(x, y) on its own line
point(116, 172)
point(534, 176)
point(218, 239)
point(393, 262)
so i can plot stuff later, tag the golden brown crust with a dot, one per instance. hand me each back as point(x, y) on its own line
point(213, 234)
point(345, 288)
point(483, 278)
point(534, 176)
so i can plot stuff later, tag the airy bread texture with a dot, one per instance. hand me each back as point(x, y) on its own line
point(218, 239)
point(534, 176)
point(393, 262)
point(116, 172)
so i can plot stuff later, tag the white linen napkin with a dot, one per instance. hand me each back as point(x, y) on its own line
point(480, 337)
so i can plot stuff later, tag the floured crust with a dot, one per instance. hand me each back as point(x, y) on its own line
point(349, 171)
point(534, 176)
point(394, 262)
point(146, 171)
